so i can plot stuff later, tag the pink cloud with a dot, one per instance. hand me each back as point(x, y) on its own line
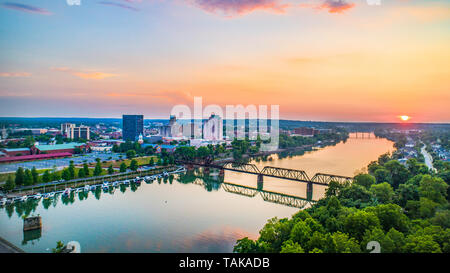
point(95, 75)
point(14, 74)
point(336, 6)
point(239, 7)
point(25, 8)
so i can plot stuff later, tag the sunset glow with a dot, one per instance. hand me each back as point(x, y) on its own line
point(404, 118)
point(342, 62)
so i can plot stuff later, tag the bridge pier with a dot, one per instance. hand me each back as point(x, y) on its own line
point(309, 191)
point(260, 178)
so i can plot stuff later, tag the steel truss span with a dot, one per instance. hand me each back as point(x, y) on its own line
point(282, 173)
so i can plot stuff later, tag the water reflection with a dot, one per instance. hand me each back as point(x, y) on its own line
point(211, 181)
point(31, 236)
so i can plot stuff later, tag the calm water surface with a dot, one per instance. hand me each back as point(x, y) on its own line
point(183, 214)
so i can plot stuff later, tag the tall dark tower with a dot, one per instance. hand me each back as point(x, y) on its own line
point(133, 126)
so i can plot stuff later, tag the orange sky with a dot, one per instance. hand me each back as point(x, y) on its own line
point(337, 62)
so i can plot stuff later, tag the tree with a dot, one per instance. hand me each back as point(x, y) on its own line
point(300, 233)
point(433, 188)
point(86, 170)
point(20, 176)
point(123, 167)
point(399, 173)
point(343, 244)
point(28, 179)
point(357, 223)
point(59, 247)
point(291, 247)
point(10, 184)
point(98, 169)
point(152, 161)
point(131, 153)
point(275, 232)
point(365, 180)
point(81, 173)
point(35, 175)
point(390, 216)
point(46, 176)
point(65, 174)
point(245, 245)
point(71, 170)
point(382, 175)
point(134, 165)
point(383, 192)
point(421, 244)
point(110, 169)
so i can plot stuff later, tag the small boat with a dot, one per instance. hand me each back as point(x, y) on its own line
point(67, 191)
point(115, 184)
point(86, 188)
point(93, 187)
point(37, 196)
point(22, 198)
point(51, 195)
point(2, 202)
point(126, 182)
point(165, 174)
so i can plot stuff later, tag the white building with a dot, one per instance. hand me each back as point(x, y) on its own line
point(213, 128)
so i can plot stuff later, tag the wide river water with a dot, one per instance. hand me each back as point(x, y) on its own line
point(189, 213)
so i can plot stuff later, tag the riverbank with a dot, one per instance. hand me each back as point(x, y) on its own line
point(61, 185)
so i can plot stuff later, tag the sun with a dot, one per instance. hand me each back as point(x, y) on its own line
point(404, 118)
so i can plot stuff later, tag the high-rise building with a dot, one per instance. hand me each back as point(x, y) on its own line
point(133, 126)
point(213, 128)
point(70, 130)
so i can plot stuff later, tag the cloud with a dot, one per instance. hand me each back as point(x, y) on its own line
point(166, 95)
point(94, 75)
point(14, 74)
point(239, 7)
point(25, 8)
point(123, 6)
point(336, 6)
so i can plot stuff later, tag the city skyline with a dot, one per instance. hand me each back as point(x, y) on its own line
point(343, 61)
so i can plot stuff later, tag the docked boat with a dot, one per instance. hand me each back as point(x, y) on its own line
point(37, 196)
point(165, 174)
point(93, 187)
point(9, 200)
point(86, 188)
point(115, 184)
point(22, 198)
point(2, 202)
point(51, 194)
point(67, 191)
point(126, 182)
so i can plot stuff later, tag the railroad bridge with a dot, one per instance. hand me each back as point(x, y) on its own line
point(282, 173)
point(276, 172)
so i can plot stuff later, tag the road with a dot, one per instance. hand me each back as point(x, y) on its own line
point(428, 159)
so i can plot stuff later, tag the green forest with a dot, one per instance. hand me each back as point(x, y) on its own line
point(403, 208)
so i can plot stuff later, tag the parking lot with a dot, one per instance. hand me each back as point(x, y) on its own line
point(59, 163)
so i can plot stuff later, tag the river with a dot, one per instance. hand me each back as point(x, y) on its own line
point(186, 213)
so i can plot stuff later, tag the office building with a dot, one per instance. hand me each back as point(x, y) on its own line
point(133, 126)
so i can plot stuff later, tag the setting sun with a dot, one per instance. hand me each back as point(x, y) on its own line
point(404, 118)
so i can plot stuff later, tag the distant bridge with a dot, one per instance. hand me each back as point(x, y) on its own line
point(282, 173)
